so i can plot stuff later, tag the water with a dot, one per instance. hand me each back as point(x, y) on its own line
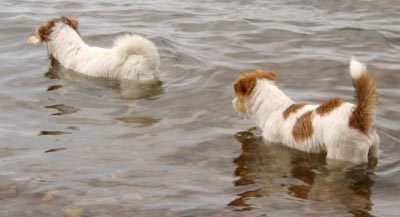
point(72, 147)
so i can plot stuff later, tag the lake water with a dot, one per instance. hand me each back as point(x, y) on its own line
point(72, 147)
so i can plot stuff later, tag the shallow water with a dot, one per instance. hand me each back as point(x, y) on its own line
point(69, 147)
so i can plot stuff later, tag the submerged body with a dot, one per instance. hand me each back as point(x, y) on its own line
point(132, 57)
point(344, 131)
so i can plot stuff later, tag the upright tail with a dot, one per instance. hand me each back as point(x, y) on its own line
point(136, 45)
point(366, 97)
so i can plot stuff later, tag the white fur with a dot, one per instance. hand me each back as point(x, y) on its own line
point(331, 132)
point(357, 68)
point(132, 57)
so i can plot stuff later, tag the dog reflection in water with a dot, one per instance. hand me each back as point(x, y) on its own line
point(265, 170)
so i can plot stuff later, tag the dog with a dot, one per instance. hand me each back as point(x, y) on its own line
point(131, 58)
point(342, 130)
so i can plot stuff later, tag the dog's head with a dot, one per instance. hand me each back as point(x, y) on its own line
point(245, 85)
point(45, 30)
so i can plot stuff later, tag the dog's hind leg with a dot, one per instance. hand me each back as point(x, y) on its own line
point(355, 152)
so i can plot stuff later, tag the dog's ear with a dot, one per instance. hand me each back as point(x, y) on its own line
point(244, 86)
point(273, 76)
point(266, 74)
point(45, 30)
point(71, 22)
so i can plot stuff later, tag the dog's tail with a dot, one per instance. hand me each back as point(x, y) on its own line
point(136, 45)
point(365, 96)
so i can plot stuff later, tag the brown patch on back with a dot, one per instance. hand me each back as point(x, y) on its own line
point(303, 128)
point(366, 98)
point(329, 106)
point(45, 30)
point(292, 108)
point(245, 84)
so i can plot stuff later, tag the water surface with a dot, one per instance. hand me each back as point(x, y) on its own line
point(73, 147)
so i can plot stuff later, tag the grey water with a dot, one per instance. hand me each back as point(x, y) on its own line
point(72, 147)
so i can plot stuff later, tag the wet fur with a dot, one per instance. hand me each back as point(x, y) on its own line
point(132, 57)
point(342, 130)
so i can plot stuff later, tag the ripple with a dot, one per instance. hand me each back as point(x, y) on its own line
point(64, 110)
point(169, 148)
point(52, 133)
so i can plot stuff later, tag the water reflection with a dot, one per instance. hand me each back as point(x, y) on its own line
point(265, 170)
point(63, 109)
point(140, 121)
point(129, 89)
point(54, 87)
point(52, 133)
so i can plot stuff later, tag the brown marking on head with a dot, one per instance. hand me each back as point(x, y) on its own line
point(366, 97)
point(329, 106)
point(303, 128)
point(292, 108)
point(45, 30)
point(245, 84)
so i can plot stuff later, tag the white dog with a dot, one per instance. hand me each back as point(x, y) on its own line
point(342, 130)
point(132, 57)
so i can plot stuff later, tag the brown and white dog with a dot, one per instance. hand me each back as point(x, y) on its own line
point(342, 130)
point(132, 57)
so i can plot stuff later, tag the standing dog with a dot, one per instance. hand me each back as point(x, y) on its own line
point(342, 130)
point(132, 57)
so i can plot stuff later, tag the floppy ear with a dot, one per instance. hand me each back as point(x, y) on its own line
point(45, 30)
point(272, 76)
point(269, 75)
point(71, 22)
point(239, 87)
point(74, 23)
point(244, 86)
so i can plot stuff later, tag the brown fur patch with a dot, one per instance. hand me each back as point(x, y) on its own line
point(245, 84)
point(366, 98)
point(329, 106)
point(292, 108)
point(45, 30)
point(303, 128)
